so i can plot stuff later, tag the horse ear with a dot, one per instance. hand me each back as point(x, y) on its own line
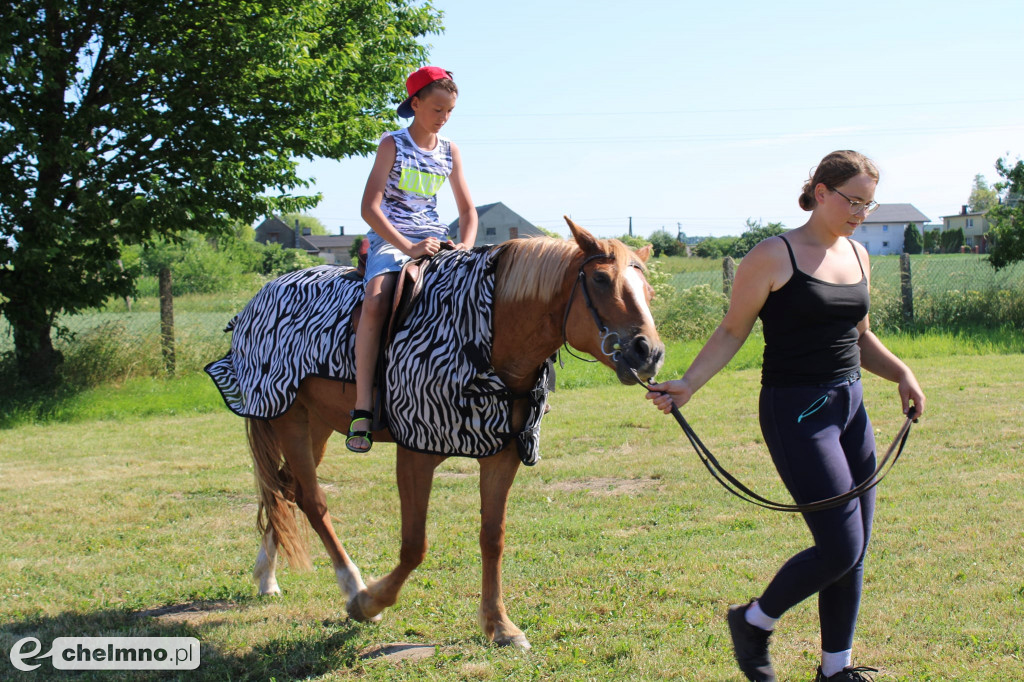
point(584, 239)
point(644, 253)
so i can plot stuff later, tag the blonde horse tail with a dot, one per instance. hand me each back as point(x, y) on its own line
point(276, 511)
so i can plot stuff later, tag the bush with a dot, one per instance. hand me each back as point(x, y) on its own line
point(108, 353)
point(956, 309)
point(633, 242)
point(912, 240)
point(691, 314)
point(665, 244)
point(714, 247)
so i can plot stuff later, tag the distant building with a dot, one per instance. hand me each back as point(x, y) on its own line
point(974, 224)
point(497, 223)
point(333, 248)
point(881, 233)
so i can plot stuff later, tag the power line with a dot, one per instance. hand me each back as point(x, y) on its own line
point(680, 112)
point(746, 137)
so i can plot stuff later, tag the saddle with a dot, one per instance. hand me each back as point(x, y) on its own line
point(408, 290)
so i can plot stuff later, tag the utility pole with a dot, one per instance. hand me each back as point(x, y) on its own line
point(630, 226)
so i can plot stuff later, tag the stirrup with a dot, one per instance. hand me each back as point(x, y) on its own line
point(366, 435)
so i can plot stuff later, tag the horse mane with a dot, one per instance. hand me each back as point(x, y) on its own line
point(534, 268)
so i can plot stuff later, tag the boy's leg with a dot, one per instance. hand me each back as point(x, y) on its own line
point(376, 304)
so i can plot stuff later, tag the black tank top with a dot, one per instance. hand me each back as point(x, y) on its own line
point(810, 329)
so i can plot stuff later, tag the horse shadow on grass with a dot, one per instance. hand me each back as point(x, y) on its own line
point(298, 653)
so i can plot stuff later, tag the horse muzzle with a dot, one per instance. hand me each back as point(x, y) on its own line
point(640, 356)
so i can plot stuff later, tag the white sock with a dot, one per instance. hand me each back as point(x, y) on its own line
point(831, 663)
point(756, 617)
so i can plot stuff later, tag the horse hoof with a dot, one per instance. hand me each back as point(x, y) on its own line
point(273, 591)
point(518, 641)
point(355, 612)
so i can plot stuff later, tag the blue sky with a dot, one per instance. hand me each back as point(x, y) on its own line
point(706, 114)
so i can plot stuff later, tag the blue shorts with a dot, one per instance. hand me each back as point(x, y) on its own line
point(382, 257)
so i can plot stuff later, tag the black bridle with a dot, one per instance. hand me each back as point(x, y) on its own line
point(606, 336)
point(707, 458)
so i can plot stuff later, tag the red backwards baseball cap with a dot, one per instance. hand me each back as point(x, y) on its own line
point(417, 80)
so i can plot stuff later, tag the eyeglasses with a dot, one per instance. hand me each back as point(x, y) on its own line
point(856, 207)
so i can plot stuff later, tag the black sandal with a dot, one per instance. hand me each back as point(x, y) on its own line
point(365, 435)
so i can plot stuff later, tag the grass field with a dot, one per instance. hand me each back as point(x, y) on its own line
point(622, 553)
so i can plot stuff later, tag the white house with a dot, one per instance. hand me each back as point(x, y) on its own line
point(881, 233)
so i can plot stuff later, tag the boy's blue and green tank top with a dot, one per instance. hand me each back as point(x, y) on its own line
point(410, 195)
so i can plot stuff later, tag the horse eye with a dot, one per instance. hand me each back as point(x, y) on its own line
point(602, 278)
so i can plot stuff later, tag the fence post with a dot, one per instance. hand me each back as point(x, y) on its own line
point(906, 290)
point(728, 275)
point(167, 320)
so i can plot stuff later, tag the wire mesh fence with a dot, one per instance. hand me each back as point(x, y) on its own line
point(948, 291)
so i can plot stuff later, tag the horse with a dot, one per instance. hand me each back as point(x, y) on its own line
point(536, 310)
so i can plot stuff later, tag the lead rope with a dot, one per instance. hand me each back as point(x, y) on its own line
point(707, 458)
point(734, 486)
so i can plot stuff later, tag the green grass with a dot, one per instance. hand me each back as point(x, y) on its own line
point(622, 553)
point(193, 392)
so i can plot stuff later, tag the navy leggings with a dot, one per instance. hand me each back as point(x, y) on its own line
point(822, 444)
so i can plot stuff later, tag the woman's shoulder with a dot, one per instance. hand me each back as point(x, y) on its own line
point(860, 249)
point(770, 248)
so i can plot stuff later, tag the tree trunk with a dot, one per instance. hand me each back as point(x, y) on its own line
point(35, 357)
point(167, 320)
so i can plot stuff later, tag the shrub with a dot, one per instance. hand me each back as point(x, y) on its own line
point(691, 314)
point(665, 244)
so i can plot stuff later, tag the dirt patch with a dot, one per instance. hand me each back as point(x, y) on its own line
point(191, 612)
point(608, 485)
point(398, 651)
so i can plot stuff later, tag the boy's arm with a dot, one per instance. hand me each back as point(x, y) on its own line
point(373, 194)
point(467, 211)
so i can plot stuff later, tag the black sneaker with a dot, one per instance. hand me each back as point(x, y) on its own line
point(750, 645)
point(858, 674)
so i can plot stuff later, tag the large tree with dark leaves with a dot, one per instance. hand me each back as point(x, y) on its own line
point(125, 120)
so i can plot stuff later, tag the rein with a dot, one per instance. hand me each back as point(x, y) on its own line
point(707, 458)
point(734, 486)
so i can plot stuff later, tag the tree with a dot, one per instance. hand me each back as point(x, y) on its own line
point(952, 240)
point(1007, 218)
point(982, 196)
point(912, 240)
point(664, 243)
point(633, 242)
point(756, 233)
point(714, 247)
point(126, 120)
point(931, 240)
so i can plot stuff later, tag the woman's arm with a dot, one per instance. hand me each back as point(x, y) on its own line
point(877, 359)
point(755, 278)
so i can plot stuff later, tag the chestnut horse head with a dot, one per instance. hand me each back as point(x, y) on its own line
point(591, 294)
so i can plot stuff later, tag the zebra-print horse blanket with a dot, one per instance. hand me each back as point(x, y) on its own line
point(443, 396)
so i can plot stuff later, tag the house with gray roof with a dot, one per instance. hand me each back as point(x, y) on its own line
point(497, 223)
point(975, 226)
point(881, 233)
point(333, 248)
